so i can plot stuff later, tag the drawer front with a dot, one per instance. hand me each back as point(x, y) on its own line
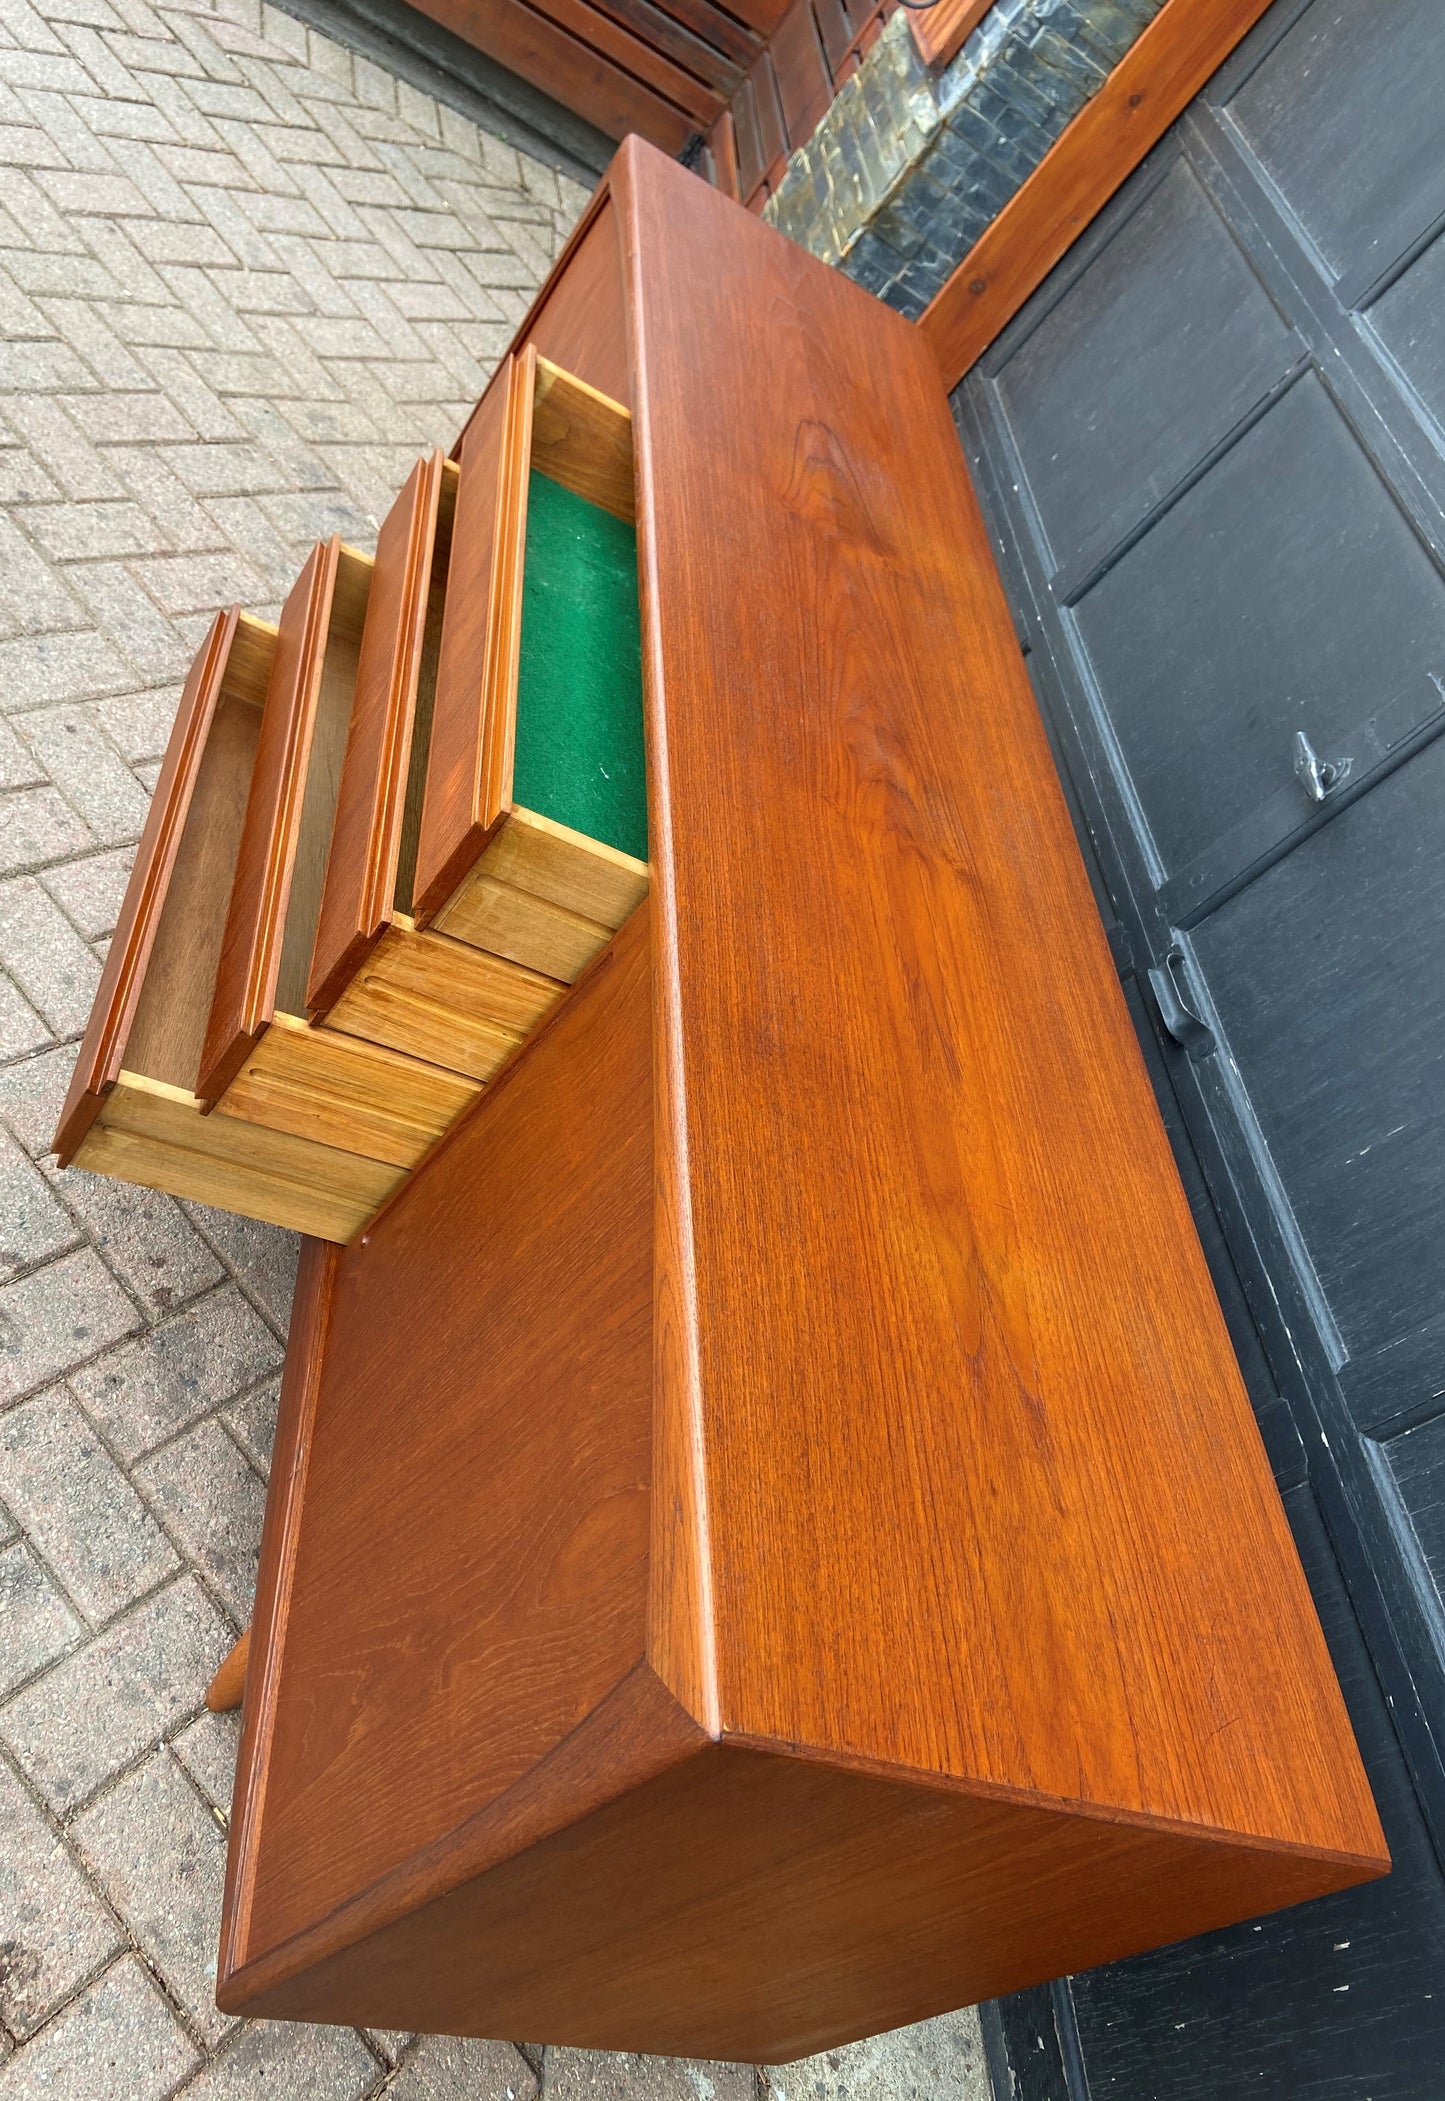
point(469, 761)
point(359, 895)
point(245, 990)
point(235, 654)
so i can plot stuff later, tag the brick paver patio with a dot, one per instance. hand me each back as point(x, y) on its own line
point(244, 278)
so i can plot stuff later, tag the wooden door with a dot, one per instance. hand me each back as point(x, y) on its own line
point(1213, 450)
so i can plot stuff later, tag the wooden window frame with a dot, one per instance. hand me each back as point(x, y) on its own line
point(1154, 82)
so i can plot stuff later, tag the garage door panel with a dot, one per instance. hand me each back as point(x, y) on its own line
point(1311, 2002)
point(1360, 757)
point(1277, 1426)
point(1285, 591)
point(1328, 977)
point(1406, 321)
point(1400, 1383)
point(1416, 1460)
point(1283, 581)
point(1174, 293)
point(1345, 121)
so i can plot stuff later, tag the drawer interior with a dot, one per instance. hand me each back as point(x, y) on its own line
point(532, 656)
point(264, 1063)
point(135, 1115)
point(534, 832)
point(578, 756)
point(275, 893)
point(578, 743)
point(170, 1018)
point(307, 790)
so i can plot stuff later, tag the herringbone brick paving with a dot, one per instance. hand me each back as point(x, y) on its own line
point(245, 277)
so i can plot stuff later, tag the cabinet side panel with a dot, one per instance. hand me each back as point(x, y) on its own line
point(470, 1565)
point(285, 1500)
point(984, 1493)
point(580, 323)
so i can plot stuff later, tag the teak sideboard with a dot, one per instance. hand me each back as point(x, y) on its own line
point(767, 1539)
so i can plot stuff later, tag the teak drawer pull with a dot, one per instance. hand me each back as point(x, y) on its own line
point(408, 579)
point(256, 921)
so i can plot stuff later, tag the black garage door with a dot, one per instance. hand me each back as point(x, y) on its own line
point(1213, 452)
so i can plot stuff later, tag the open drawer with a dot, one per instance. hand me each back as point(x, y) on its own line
point(450, 733)
point(533, 837)
point(262, 1061)
point(373, 974)
point(132, 1111)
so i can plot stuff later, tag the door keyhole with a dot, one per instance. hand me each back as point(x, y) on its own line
point(1315, 775)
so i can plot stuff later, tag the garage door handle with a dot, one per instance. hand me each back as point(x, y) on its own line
point(1176, 1009)
point(1316, 775)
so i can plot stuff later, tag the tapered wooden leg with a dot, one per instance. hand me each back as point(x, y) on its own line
point(227, 1688)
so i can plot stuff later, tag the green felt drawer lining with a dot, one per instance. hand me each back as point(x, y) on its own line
point(579, 749)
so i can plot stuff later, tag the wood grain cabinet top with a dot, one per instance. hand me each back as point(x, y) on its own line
point(828, 1570)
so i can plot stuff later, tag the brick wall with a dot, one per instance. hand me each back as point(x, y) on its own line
point(910, 165)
